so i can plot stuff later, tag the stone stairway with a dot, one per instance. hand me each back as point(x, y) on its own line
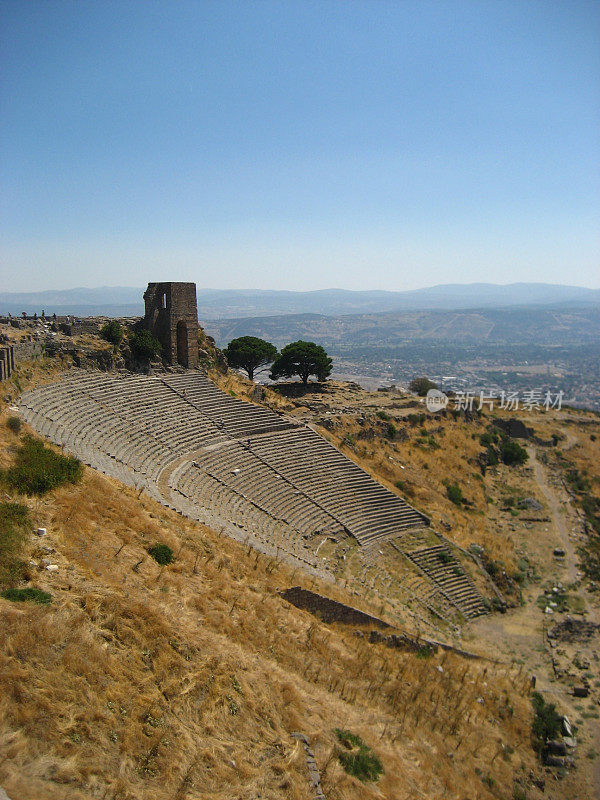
point(440, 566)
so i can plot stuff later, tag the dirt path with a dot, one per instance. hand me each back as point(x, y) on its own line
point(557, 514)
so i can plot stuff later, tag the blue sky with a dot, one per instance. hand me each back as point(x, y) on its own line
point(299, 145)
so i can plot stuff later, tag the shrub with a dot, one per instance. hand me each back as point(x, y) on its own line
point(454, 493)
point(38, 469)
point(427, 441)
point(14, 424)
point(161, 553)
point(489, 438)
point(27, 595)
point(444, 556)
point(14, 524)
point(144, 346)
point(492, 456)
point(391, 431)
point(358, 759)
point(577, 481)
point(512, 453)
point(421, 386)
point(425, 651)
point(113, 333)
point(382, 415)
point(546, 723)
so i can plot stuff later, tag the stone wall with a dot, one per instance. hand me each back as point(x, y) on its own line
point(26, 351)
point(514, 427)
point(7, 361)
point(79, 327)
point(327, 609)
point(10, 354)
point(172, 317)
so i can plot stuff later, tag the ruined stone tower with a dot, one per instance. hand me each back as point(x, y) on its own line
point(172, 316)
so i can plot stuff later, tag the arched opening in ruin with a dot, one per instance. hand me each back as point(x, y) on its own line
point(182, 343)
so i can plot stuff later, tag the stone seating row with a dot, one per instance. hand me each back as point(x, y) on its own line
point(235, 417)
point(240, 469)
point(364, 507)
point(199, 489)
point(445, 570)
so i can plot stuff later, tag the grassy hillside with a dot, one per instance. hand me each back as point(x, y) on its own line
point(187, 680)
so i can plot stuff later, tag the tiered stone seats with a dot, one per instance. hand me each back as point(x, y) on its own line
point(286, 471)
point(236, 466)
point(195, 488)
point(366, 509)
point(440, 565)
point(234, 417)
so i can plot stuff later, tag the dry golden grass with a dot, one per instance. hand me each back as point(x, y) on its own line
point(186, 681)
point(236, 384)
point(32, 373)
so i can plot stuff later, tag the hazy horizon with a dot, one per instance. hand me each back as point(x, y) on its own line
point(384, 146)
point(200, 288)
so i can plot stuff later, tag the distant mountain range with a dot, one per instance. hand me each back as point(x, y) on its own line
point(119, 301)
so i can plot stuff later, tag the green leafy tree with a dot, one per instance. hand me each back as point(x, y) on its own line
point(302, 359)
point(113, 333)
point(421, 386)
point(144, 346)
point(249, 353)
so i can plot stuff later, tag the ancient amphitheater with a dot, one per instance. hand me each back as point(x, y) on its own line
point(262, 477)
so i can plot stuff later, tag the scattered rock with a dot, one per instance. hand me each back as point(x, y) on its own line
point(573, 630)
point(581, 691)
point(258, 393)
point(529, 502)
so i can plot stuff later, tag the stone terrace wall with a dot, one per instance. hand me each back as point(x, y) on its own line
point(10, 354)
point(329, 610)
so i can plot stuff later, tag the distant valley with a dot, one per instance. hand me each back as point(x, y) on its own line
point(524, 325)
point(554, 348)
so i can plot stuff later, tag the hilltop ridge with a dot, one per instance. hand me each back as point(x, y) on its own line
point(222, 303)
